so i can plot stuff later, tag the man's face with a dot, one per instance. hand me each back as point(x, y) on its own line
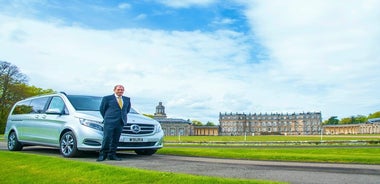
point(119, 90)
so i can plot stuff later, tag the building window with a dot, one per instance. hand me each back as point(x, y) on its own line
point(172, 131)
point(181, 131)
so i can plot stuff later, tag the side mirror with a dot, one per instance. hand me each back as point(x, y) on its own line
point(54, 111)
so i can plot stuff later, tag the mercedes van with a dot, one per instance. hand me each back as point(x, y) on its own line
point(73, 123)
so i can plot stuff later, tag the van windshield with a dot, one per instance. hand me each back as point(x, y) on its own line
point(89, 103)
point(85, 103)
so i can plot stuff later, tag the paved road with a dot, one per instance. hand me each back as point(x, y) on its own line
point(292, 172)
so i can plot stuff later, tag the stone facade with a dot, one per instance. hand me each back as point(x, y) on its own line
point(270, 124)
point(160, 111)
point(370, 127)
point(171, 126)
point(205, 130)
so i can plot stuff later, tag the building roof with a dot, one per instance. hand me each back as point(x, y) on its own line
point(206, 126)
point(172, 120)
point(342, 125)
point(374, 120)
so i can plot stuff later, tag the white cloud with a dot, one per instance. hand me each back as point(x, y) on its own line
point(324, 50)
point(141, 17)
point(186, 3)
point(185, 70)
point(322, 56)
point(223, 21)
point(124, 6)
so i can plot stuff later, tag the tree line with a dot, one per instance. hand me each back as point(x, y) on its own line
point(14, 87)
point(333, 120)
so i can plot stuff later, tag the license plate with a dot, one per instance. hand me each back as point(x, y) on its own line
point(130, 139)
point(136, 139)
point(123, 139)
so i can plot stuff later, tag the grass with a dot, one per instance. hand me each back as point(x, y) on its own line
point(19, 167)
point(29, 168)
point(270, 138)
point(362, 155)
point(339, 149)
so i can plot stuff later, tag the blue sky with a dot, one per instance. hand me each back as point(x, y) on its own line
point(148, 14)
point(202, 57)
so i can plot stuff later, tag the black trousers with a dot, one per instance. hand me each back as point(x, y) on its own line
point(111, 136)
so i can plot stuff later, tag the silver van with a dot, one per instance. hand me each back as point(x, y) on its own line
point(73, 124)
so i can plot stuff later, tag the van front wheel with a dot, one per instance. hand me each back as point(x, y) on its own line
point(13, 143)
point(68, 145)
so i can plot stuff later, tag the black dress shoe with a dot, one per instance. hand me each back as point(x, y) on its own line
point(101, 158)
point(114, 157)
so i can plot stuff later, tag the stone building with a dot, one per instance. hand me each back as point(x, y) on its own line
point(270, 124)
point(372, 126)
point(205, 130)
point(171, 126)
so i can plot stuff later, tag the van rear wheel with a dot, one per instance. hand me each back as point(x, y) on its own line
point(68, 145)
point(145, 151)
point(13, 143)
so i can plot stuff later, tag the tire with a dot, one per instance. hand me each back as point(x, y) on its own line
point(68, 145)
point(13, 143)
point(145, 151)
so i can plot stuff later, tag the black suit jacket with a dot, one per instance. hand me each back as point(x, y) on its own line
point(111, 111)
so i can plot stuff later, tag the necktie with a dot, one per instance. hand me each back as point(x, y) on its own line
point(120, 102)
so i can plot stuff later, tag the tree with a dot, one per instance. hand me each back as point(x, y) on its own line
point(374, 115)
point(13, 87)
point(196, 123)
point(354, 120)
point(333, 120)
point(360, 119)
point(9, 76)
point(148, 115)
point(346, 120)
point(209, 123)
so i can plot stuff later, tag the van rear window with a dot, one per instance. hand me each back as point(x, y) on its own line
point(33, 106)
point(23, 108)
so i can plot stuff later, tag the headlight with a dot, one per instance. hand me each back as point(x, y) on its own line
point(92, 124)
point(158, 128)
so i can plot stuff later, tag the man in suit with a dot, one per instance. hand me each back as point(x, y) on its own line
point(114, 109)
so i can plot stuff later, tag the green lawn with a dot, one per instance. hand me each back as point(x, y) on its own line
point(270, 138)
point(362, 149)
point(19, 167)
point(362, 155)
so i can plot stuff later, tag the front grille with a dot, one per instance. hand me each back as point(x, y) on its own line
point(138, 129)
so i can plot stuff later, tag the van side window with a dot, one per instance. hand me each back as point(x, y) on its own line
point(23, 108)
point(57, 104)
point(38, 104)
